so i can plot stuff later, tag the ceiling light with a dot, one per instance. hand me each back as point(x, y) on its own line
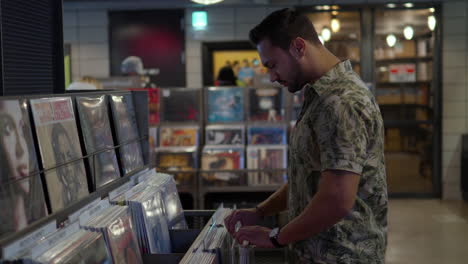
point(432, 10)
point(408, 5)
point(334, 13)
point(206, 2)
point(335, 7)
point(319, 7)
point(321, 39)
point(391, 40)
point(326, 7)
point(335, 24)
point(391, 5)
point(431, 22)
point(326, 34)
point(408, 32)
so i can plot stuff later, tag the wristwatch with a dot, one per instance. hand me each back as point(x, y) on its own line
point(274, 237)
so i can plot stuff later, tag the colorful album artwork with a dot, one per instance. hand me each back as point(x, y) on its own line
point(267, 135)
point(224, 135)
point(266, 104)
point(225, 104)
point(177, 162)
point(178, 136)
point(225, 159)
point(271, 158)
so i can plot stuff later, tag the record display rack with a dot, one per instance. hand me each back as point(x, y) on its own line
point(60, 217)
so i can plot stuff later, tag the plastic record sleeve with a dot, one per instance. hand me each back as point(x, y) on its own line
point(223, 158)
point(178, 160)
point(180, 104)
point(225, 135)
point(266, 104)
point(266, 157)
point(225, 104)
point(179, 136)
point(267, 134)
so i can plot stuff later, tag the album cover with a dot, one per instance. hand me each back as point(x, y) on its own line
point(93, 251)
point(224, 135)
point(122, 240)
point(266, 135)
point(222, 158)
point(178, 136)
point(21, 193)
point(59, 143)
point(154, 105)
point(156, 224)
point(127, 131)
point(266, 157)
point(180, 104)
point(266, 104)
point(177, 161)
point(97, 134)
point(225, 104)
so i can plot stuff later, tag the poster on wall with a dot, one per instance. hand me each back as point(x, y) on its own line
point(150, 43)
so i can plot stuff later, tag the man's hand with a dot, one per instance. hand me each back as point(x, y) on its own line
point(247, 217)
point(258, 236)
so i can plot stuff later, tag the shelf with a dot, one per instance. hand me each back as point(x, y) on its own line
point(406, 106)
point(223, 189)
point(404, 60)
point(399, 84)
point(406, 123)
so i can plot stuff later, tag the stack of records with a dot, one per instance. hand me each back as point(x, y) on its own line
point(21, 194)
point(225, 104)
point(97, 134)
point(266, 104)
point(267, 135)
point(126, 129)
point(176, 160)
point(209, 245)
point(224, 135)
point(180, 105)
point(115, 224)
point(166, 185)
point(178, 136)
point(150, 221)
point(272, 159)
point(80, 247)
point(223, 158)
point(58, 139)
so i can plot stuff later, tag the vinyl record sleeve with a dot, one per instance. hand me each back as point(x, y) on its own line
point(266, 157)
point(224, 135)
point(97, 133)
point(90, 249)
point(222, 158)
point(172, 136)
point(59, 143)
point(177, 160)
point(127, 130)
point(122, 240)
point(267, 135)
point(21, 193)
point(266, 104)
point(180, 104)
point(225, 104)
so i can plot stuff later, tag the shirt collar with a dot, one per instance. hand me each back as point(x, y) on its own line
point(322, 84)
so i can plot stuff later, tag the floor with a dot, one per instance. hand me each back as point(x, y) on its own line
point(427, 231)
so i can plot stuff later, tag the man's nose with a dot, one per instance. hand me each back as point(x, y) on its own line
point(273, 76)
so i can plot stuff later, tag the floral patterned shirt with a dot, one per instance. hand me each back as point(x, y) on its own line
point(340, 127)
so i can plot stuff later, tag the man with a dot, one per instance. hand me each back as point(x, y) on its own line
point(336, 192)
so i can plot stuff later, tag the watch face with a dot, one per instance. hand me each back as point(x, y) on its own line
point(274, 232)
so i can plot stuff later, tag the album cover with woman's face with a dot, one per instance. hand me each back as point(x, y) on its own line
point(21, 193)
point(266, 104)
point(97, 134)
point(59, 144)
point(126, 127)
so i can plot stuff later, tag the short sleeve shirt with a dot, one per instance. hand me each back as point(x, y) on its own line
point(341, 128)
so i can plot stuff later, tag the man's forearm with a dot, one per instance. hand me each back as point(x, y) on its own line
point(276, 203)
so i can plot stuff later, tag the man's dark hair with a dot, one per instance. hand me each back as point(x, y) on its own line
point(282, 26)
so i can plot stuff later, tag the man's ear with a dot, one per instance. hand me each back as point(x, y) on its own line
point(297, 47)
